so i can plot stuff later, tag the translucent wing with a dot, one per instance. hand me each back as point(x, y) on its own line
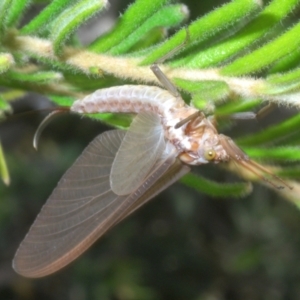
point(83, 206)
point(143, 144)
point(170, 176)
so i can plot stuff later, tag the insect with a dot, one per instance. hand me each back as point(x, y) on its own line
point(120, 171)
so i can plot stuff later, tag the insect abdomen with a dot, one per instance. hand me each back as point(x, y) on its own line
point(126, 99)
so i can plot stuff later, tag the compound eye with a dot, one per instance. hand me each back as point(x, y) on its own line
point(209, 154)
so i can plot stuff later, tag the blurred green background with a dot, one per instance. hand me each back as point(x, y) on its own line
point(181, 245)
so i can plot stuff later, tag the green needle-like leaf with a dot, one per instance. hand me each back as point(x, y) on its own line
point(152, 37)
point(207, 26)
point(62, 100)
point(283, 89)
point(275, 153)
point(285, 78)
point(48, 14)
point(168, 16)
point(72, 18)
point(272, 133)
point(4, 174)
point(204, 91)
point(17, 9)
point(136, 14)
point(263, 57)
point(256, 29)
point(286, 63)
point(236, 106)
point(5, 5)
point(214, 189)
point(290, 172)
point(36, 77)
point(11, 95)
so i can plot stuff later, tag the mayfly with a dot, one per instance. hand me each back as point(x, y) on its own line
point(120, 171)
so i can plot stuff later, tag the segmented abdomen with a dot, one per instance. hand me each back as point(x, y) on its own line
point(128, 99)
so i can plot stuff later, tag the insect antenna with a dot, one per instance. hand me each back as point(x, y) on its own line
point(45, 122)
point(252, 166)
point(240, 157)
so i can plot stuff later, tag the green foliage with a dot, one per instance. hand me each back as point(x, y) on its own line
point(216, 189)
point(273, 133)
point(263, 24)
point(41, 21)
point(236, 57)
point(16, 9)
point(70, 19)
point(4, 8)
point(176, 14)
point(266, 55)
point(3, 168)
point(135, 16)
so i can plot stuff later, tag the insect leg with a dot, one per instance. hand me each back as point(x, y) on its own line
point(247, 115)
point(189, 118)
point(265, 110)
point(165, 81)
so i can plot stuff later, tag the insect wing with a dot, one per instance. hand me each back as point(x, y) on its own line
point(142, 146)
point(163, 176)
point(68, 222)
point(82, 208)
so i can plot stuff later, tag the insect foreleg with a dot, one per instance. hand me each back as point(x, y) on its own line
point(190, 118)
point(265, 110)
point(164, 80)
